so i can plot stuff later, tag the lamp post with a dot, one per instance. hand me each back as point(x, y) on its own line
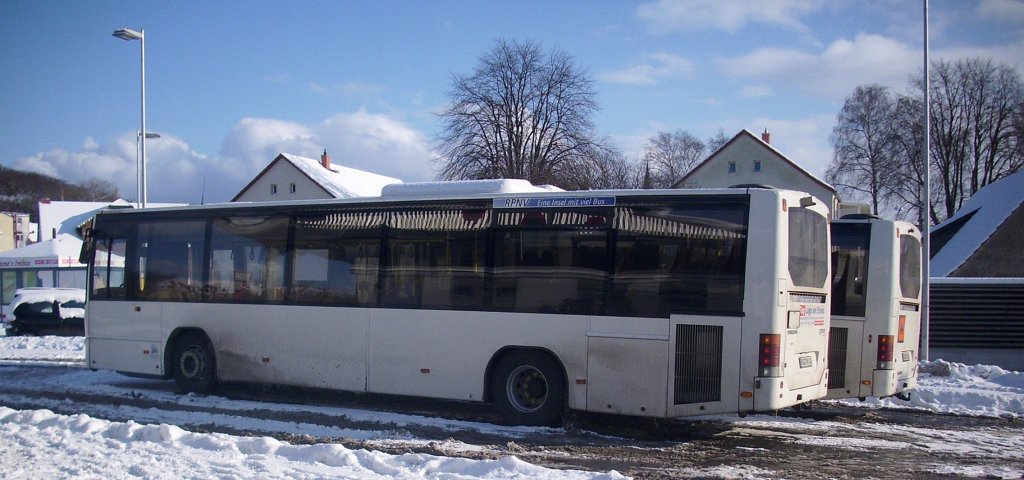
point(138, 181)
point(129, 34)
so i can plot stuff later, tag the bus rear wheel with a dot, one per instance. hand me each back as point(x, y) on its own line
point(528, 389)
point(194, 367)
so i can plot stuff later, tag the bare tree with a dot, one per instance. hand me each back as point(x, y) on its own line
point(865, 146)
point(977, 137)
point(670, 156)
point(976, 134)
point(97, 190)
point(908, 160)
point(718, 141)
point(522, 113)
point(608, 169)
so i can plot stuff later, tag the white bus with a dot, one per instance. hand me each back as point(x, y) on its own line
point(876, 307)
point(649, 303)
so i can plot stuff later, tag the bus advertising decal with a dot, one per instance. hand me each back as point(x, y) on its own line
point(553, 202)
point(814, 315)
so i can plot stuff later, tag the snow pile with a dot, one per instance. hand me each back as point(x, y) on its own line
point(48, 348)
point(947, 387)
point(79, 445)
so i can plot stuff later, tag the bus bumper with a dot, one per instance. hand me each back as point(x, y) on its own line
point(886, 383)
point(771, 393)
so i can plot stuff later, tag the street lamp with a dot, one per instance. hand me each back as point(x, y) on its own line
point(129, 34)
point(138, 181)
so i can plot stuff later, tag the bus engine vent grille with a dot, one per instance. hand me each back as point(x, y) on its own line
point(698, 377)
point(837, 348)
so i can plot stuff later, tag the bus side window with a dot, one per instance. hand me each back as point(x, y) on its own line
point(169, 260)
point(247, 259)
point(108, 269)
point(336, 259)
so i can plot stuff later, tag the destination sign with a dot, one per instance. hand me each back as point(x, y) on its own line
point(553, 202)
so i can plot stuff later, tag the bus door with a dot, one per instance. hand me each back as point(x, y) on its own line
point(122, 334)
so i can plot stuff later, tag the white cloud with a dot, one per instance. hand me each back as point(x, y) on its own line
point(1009, 11)
point(754, 91)
point(656, 66)
point(176, 173)
point(835, 71)
point(663, 16)
point(378, 143)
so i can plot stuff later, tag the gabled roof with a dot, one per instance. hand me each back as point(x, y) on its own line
point(975, 222)
point(339, 181)
point(744, 134)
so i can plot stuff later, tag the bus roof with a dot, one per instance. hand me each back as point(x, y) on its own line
point(471, 190)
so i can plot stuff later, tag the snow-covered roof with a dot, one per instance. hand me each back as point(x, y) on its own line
point(980, 216)
point(59, 252)
point(464, 187)
point(340, 181)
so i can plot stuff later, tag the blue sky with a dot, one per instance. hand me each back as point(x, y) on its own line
point(229, 84)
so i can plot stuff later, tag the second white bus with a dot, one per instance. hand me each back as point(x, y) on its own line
point(651, 303)
point(876, 307)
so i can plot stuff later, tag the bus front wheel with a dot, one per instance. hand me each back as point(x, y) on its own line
point(195, 367)
point(528, 389)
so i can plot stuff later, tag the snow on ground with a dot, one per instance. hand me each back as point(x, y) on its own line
point(48, 348)
point(62, 446)
point(42, 444)
point(947, 387)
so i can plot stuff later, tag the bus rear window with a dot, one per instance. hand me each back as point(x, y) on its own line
point(808, 248)
point(910, 266)
point(851, 243)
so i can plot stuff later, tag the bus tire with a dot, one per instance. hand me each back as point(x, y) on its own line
point(195, 366)
point(528, 389)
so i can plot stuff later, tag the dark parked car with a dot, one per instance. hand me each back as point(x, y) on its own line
point(47, 311)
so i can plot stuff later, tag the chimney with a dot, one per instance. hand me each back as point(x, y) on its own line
point(766, 137)
point(325, 160)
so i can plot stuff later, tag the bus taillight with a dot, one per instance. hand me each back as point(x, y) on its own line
point(885, 352)
point(769, 355)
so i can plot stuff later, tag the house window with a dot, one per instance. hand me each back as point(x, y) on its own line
point(732, 167)
point(757, 165)
point(291, 188)
point(273, 189)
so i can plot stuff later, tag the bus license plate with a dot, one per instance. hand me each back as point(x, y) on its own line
point(806, 362)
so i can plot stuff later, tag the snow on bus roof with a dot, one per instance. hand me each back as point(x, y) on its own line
point(464, 187)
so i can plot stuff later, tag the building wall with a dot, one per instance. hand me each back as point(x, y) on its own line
point(6, 231)
point(283, 175)
point(745, 152)
point(16, 230)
